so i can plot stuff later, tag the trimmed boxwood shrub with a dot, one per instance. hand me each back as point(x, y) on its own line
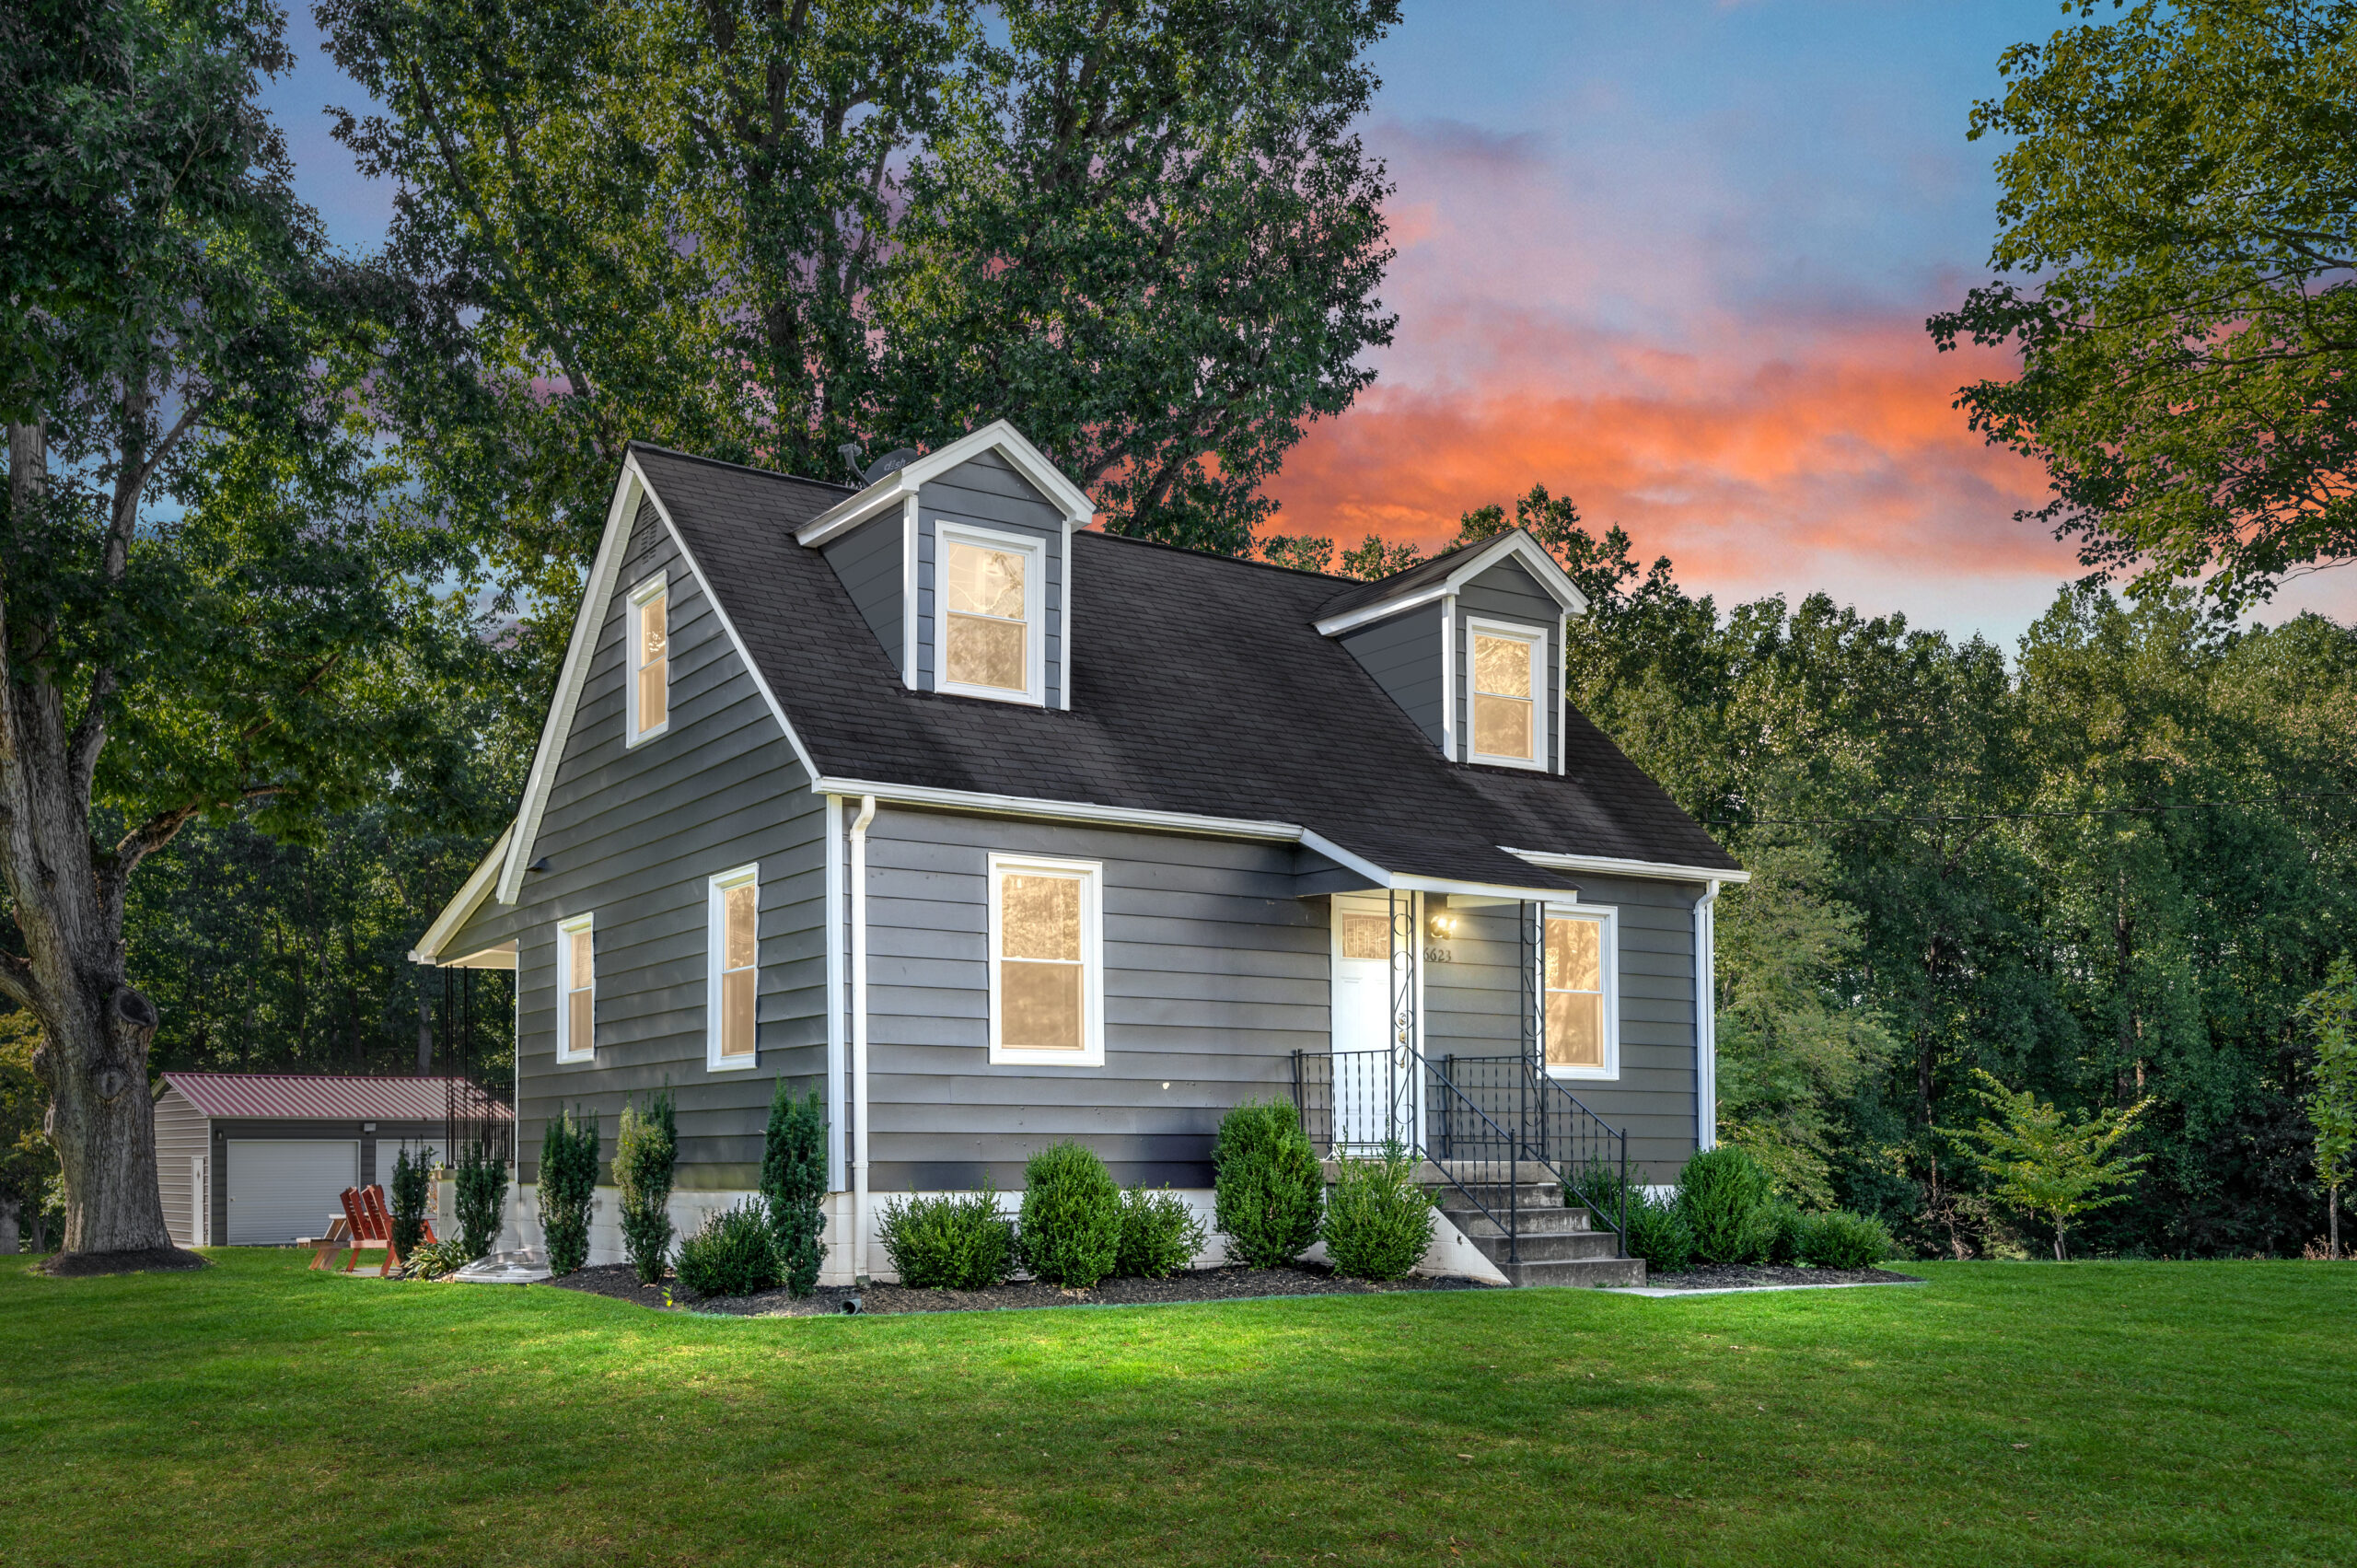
point(957, 1241)
point(1782, 1222)
point(568, 1186)
point(1160, 1233)
point(1723, 1195)
point(1071, 1227)
point(406, 1198)
point(646, 1152)
point(1269, 1189)
point(1378, 1222)
point(1841, 1239)
point(732, 1254)
point(1659, 1233)
point(793, 1185)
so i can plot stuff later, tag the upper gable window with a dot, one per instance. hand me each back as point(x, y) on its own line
point(650, 660)
point(988, 630)
point(1508, 673)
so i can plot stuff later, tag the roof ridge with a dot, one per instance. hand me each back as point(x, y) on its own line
point(741, 468)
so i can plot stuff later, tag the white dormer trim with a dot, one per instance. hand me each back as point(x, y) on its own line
point(894, 488)
point(462, 908)
point(581, 651)
point(1517, 545)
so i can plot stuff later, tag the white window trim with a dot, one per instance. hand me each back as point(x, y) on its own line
point(1609, 962)
point(632, 735)
point(1092, 961)
point(565, 1050)
point(1035, 618)
point(716, 952)
point(1542, 733)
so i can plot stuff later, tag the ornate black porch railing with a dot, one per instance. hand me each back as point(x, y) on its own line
point(1583, 1151)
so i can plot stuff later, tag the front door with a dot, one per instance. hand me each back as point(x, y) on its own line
point(1374, 1083)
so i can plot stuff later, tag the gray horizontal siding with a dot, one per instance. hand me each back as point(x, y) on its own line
point(986, 491)
point(1472, 1005)
point(180, 1136)
point(630, 834)
point(1215, 974)
point(867, 559)
point(1403, 655)
point(1508, 592)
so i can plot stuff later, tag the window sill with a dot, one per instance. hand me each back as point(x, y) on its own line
point(576, 1058)
point(1586, 1075)
point(632, 743)
point(1001, 1057)
point(732, 1064)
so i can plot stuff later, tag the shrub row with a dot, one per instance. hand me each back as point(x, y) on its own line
point(1724, 1211)
point(761, 1244)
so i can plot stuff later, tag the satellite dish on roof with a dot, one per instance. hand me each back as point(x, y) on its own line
point(891, 462)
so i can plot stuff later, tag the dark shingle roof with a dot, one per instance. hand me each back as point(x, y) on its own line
point(1400, 585)
point(1200, 685)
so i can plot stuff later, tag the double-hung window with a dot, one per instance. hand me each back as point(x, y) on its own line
point(1509, 678)
point(988, 624)
point(650, 660)
point(576, 990)
point(1579, 1025)
point(1046, 961)
point(735, 900)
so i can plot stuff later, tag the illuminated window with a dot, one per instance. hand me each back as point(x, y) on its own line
point(650, 660)
point(1046, 975)
point(991, 641)
point(1579, 1028)
point(1508, 677)
point(576, 988)
point(735, 908)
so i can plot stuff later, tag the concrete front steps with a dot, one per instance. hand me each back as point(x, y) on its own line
point(1550, 1245)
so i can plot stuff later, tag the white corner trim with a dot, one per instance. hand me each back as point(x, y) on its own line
point(1034, 552)
point(1448, 677)
point(1706, 1019)
point(1063, 613)
point(582, 648)
point(1535, 638)
point(1607, 917)
point(838, 1044)
point(909, 621)
point(464, 904)
point(716, 942)
point(1606, 865)
point(999, 436)
point(1091, 873)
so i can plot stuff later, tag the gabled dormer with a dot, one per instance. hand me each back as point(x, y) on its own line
point(961, 562)
point(1470, 644)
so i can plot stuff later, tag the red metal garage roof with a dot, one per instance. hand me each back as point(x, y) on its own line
point(318, 1096)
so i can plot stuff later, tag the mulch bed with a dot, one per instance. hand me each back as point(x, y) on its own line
point(618, 1281)
point(151, 1259)
point(1734, 1277)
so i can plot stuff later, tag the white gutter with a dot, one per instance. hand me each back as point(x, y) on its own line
point(859, 1036)
point(1606, 866)
point(1706, 1019)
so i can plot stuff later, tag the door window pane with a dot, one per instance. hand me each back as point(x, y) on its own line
point(1367, 936)
point(654, 663)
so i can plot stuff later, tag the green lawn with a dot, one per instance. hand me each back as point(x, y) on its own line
point(2002, 1414)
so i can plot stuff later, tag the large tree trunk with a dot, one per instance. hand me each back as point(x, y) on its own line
point(102, 1119)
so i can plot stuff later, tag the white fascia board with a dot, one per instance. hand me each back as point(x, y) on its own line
point(1323, 845)
point(1543, 566)
point(463, 906)
point(1064, 810)
point(1606, 866)
point(998, 436)
point(582, 648)
point(1502, 892)
point(1382, 609)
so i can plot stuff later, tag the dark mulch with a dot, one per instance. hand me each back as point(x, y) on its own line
point(147, 1259)
point(1201, 1284)
point(1730, 1276)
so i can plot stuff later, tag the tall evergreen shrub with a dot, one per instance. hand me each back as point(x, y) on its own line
point(411, 1176)
point(646, 1152)
point(568, 1187)
point(1069, 1230)
point(793, 1184)
point(1724, 1196)
point(482, 1194)
point(1269, 1190)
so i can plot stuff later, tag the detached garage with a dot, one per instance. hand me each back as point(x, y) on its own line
point(257, 1159)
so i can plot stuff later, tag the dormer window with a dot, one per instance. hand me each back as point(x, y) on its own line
point(989, 615)
point(1508, 722)
point(650, 660)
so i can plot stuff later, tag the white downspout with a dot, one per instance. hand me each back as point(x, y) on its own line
point(1706, 1019)
point(859, 1036)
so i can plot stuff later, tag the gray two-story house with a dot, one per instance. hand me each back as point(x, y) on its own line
point(996, 830)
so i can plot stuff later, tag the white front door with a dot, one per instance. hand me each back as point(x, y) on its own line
point(1374, 1083)
point(199, 1203)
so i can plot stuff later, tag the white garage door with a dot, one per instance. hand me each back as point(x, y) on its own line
point(283, 1188)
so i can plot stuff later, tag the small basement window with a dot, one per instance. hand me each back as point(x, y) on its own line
point(576, 990)
point(735, 898)
point(1508, 674)
point(1581, 1025)
point(1047, 966)
point(990, 640)
point(650, 660)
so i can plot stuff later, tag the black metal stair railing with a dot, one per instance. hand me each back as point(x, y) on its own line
point(1583, 1151)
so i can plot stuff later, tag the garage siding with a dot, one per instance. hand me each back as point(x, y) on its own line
point(182, 1137)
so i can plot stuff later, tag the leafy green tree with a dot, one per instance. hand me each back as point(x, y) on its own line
point(203, 611)
point(1373, 558)
point(2331, 1012)
point(2177, 231)
point(2048, 1163)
